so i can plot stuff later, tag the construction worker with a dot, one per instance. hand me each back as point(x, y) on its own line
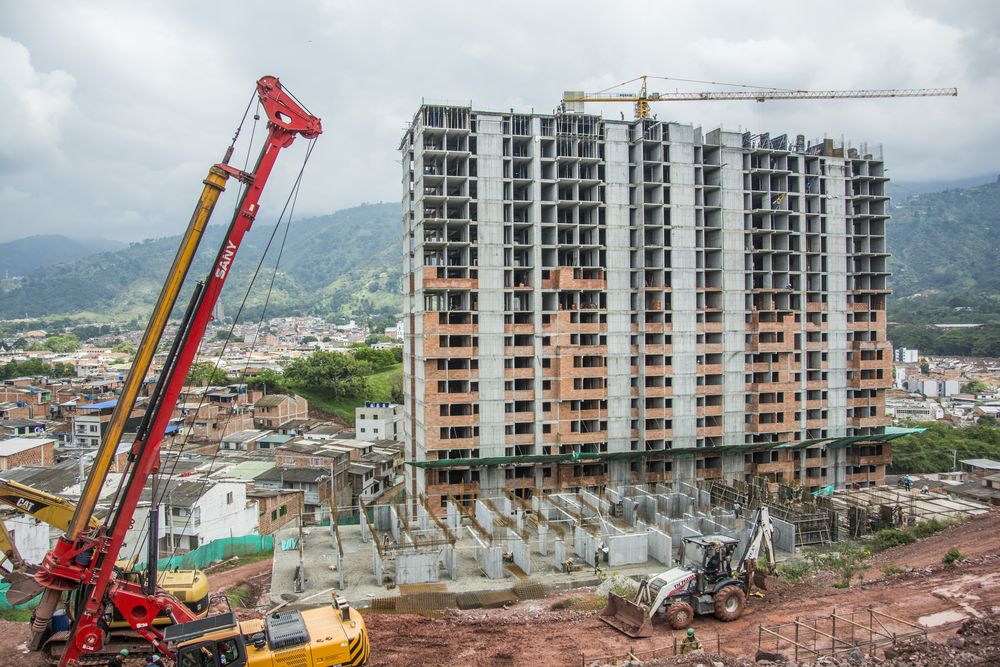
point(906, 483)
point(715, 560)
point(118, 660)
point(597, 561)
point(690, 643)
point(737, 510)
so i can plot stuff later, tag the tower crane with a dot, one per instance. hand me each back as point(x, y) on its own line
point(644, 97)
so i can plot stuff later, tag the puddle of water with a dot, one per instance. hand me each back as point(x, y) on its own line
point(941, 618)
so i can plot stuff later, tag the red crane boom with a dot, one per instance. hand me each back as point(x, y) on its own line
point(84, 559)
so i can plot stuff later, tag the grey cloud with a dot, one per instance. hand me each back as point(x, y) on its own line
point(159, 88)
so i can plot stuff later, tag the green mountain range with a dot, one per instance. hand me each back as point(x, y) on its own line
point(944, 244)
point(22, 256)
point(944, 247)
point(345, 264)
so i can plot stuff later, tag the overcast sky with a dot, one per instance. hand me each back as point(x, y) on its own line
point(111, 112)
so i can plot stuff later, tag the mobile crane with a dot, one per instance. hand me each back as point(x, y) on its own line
point(84, 558)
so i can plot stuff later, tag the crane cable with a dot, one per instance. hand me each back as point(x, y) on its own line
point(164, 482)
point(289, 207)
point(229, 150)
point(672, 78)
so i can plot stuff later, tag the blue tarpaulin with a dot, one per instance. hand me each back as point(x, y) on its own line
point(99, 406)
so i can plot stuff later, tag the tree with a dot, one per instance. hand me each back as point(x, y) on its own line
point(925, 367)
point(67, 343)
point(974, 387)
point(396, 392)
point(206, 374)
point(267, 380)
point(13, 369)
point(124, 347)
point(336, 375)
point(379, 359)
point(310, 339)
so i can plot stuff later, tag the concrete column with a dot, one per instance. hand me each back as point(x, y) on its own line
point(837, 344)
point(616, 193)
point(489, 150)
point(684, 299)
point(733, 298)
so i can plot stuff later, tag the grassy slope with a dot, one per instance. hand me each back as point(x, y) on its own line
point(379, 389)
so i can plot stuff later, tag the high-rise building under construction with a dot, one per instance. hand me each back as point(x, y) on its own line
point(593, 302)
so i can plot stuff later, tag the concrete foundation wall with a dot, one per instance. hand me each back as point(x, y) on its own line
point(484, 516)
point(417, 568)
point(448, 558)
point(491, 560)
point(377, 565)
point(627, 549)
point(784, 535)
point(659, 546)
point(585, 545)
point(520, 551)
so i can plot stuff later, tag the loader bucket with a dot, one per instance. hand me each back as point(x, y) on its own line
point(626, 616)
point(23, 587)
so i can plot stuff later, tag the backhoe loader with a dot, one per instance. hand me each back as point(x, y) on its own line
point(705, 582)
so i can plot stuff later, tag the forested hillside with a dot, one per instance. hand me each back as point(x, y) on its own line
point(345, 264)
point(22, 256)
point(944, 249)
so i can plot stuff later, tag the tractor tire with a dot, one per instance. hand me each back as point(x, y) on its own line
point(680, 615)
point(729, 603)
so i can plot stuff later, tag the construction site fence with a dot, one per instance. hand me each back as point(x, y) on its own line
point(216, 551)
point(863, 630)
point(713, 644)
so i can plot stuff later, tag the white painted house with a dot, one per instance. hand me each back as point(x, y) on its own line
point(196, 512)
point(378, 421)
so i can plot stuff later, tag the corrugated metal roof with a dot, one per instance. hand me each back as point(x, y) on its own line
point(245, 471)
point(17, 445)
point(272, 401)
point(99, 406)
point(307, 475)
point(987, 464)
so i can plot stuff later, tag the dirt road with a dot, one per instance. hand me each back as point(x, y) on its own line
point(532, 634)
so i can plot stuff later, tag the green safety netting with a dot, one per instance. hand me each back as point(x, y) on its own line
point(599, 457)
point(215, 551)
point(197, 559)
